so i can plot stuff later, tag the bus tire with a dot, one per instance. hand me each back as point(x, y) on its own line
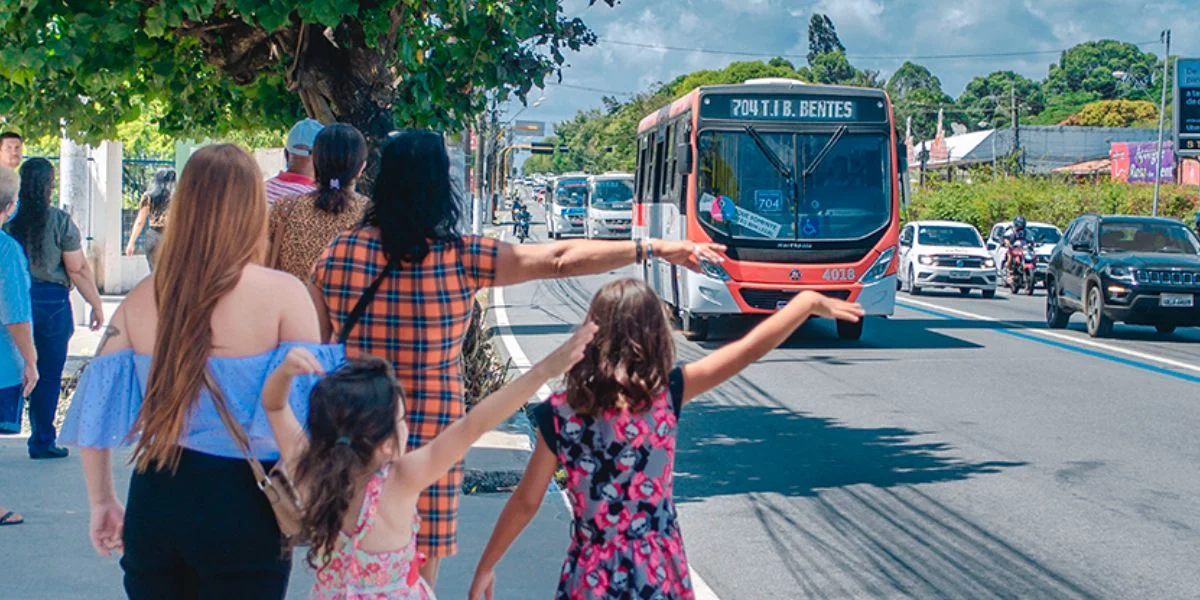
point(695, 329)
point(850, 330)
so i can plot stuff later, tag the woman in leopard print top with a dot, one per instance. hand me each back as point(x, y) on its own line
point(309, 222)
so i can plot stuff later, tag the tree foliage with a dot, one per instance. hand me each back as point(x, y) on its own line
point(1106, 69)
point(822, 37)
point(220, 65)
point(990, 98)
point(1116, 113)
point(916, 93)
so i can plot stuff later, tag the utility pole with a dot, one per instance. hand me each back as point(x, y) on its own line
point(1016, 119)
point(480, 171)
point(1162, 115)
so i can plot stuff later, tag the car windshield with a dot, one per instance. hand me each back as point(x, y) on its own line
point(570, 192)
point(948, 235)
point(844, 195)
point(1154, 238)
point(1044, 235)
point(612, 194)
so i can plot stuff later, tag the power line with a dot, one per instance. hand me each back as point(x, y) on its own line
point(848, 57)
point(589, 89)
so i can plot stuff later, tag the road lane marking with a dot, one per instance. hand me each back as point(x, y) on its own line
point(521, 361)
point(1064, 340)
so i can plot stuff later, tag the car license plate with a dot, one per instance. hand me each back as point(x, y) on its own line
point(1177, 300)
point(959, 275)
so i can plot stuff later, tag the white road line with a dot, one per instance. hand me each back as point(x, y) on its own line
point(521, 361)
point(1062, 337)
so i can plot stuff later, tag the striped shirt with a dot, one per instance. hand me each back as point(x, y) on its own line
point(288, 184)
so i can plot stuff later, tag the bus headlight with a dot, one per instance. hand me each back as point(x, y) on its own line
point(880, 268)
point(714, 270)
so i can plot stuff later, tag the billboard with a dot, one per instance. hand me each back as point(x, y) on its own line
point(1187, 106)
point(1133, 162)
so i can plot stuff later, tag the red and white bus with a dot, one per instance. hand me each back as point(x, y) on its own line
point(801, 182)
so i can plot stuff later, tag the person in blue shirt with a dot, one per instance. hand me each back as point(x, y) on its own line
point(179, 375)
point(18, 357)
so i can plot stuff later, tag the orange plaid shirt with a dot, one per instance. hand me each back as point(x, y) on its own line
point(417, 321)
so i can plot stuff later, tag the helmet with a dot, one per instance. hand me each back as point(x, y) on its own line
point(1019, 222)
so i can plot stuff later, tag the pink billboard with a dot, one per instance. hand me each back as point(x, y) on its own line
point(1134, 162)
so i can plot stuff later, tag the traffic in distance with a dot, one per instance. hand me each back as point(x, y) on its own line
point(804, 185)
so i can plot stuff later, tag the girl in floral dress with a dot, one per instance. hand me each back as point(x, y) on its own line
point(613, 431)
point(359, 487)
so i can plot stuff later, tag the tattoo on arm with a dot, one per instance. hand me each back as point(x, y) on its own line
point(109, 333)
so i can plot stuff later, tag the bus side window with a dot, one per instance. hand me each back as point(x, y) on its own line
point(640, 171)
point(682, 133)
point(668, 182)
point(648, 173)
point(657, 184)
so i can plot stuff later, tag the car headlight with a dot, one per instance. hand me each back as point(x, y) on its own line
point(1119, 273)
point(714, 270)
point(880, 268)
point(925, 260)
point(989, 263)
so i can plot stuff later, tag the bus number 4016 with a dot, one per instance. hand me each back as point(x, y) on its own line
point(839, 275)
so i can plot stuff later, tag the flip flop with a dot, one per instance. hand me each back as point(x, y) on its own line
point(8, 519)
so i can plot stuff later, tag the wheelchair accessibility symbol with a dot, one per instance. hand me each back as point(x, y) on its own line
point(809, 227)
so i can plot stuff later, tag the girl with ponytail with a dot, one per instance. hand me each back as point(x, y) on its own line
point(358, 482)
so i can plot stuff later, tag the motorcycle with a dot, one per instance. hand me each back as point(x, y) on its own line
point(523, 226)
point(1022, 265)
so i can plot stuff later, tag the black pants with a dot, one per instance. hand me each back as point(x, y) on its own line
point(205, 532)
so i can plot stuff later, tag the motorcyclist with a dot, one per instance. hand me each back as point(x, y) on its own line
point(521, 221)
point(517, 208)
point(1018, 233)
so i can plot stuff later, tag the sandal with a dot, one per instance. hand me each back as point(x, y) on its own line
point(11, 518)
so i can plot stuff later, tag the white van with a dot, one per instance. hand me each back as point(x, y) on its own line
point(610, 206)
point(567, 206)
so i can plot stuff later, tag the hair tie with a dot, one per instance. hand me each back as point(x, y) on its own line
point(343, 441)
point(335, 184)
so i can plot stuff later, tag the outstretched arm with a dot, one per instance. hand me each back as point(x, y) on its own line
point(425, 465)
point(289, 435)
point(521, 263)
point(517, 513)
point(712, 370)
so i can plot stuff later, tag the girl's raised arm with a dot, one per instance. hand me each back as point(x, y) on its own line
point(422, 467)
point(712, 370)
point(289, 434)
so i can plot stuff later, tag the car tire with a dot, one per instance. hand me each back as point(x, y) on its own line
point(964, 291)
point(694, 328)
point(913, 289)
point(1165, 329)
point(1057, 317)
point(1098, 324)
point(850, 331)
point(989, 294)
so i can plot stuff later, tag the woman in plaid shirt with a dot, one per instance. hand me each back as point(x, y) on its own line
point(423, 306)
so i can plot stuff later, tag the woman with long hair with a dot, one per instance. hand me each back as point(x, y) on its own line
point(153, 210)
point(302, 226)
point(54, 248)
point(426, 275)
point(196, 523)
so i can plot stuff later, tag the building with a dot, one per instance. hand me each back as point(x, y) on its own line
point(1044, 148)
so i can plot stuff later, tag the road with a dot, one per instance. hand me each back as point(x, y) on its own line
point(960, 450)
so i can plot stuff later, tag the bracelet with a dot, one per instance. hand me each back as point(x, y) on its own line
point(639, 256)
point(649, 250)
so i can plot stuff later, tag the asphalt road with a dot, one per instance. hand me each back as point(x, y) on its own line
point(960, 450)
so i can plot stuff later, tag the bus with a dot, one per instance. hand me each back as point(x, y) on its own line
point(802, 184)
point(609, 206)
point(566, 206)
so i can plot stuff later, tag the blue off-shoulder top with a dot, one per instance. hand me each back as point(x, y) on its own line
point(110, 392)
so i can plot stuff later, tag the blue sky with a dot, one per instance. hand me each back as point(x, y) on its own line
point(877, 35)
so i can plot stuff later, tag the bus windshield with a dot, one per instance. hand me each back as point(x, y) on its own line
point(570, 192)
point(612, 194)
point(844, 194)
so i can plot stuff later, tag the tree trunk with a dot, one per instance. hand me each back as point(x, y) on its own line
point(346, 82)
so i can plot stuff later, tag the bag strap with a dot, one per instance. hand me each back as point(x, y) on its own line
point(235, 430)
point(364, 300)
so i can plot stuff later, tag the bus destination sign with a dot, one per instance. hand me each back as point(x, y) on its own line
point(797, 108)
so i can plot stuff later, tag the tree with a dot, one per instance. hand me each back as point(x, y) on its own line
point(1089, 67)
point(782, 62)
point(917, 93)
point(1116, 113)
point(822, 37)
point(221, 65)
point(989, 98)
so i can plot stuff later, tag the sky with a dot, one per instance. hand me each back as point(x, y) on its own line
point(877, 34)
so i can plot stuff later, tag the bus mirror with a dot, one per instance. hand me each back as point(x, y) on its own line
point(684, 152)
point(902, 155)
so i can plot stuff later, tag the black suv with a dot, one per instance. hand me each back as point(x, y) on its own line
point(1137, 270)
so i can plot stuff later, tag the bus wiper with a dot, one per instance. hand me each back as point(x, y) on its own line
point(833, 139)
point(772, 157)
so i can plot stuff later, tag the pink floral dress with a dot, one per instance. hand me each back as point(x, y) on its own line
point(352, 573)
point(625, 540)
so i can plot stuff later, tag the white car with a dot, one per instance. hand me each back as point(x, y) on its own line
point(1045, 237)
point(945, 254)
point(610, 206)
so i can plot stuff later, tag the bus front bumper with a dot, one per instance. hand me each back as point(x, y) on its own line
point(715, 297)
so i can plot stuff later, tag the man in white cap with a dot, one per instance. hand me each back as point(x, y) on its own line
point(299, 177)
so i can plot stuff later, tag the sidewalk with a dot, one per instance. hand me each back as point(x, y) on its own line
point(50, 557)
